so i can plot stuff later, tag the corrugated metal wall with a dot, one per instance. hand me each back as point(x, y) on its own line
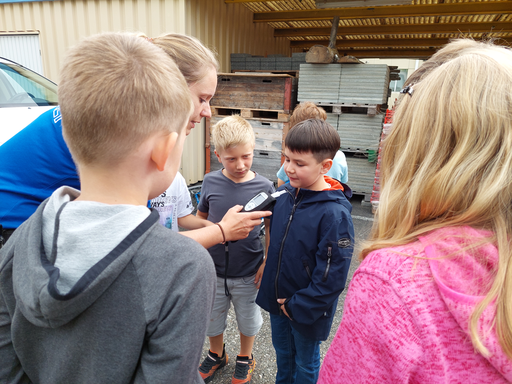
point(227, 28)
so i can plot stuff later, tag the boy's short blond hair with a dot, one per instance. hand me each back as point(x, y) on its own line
point(116, 90)
point(232, 131)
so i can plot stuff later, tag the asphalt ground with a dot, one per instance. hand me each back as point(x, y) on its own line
point(263, 351)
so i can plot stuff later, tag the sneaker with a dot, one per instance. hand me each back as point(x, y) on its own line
point(243, 370)
point(211, 364)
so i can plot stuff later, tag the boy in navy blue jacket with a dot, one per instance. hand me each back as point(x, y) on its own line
point(311, 245)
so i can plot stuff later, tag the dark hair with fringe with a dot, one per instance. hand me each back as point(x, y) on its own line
point(315, 136)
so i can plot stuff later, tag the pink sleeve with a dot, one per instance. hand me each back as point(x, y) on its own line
point(377, 341)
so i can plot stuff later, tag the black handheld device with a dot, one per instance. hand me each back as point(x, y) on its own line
point(263, 201)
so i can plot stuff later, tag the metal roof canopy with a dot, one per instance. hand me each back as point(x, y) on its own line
point(409, 31)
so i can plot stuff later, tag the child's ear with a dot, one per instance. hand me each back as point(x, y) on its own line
point(218, 157)
point(162, 149)
point(326, 166)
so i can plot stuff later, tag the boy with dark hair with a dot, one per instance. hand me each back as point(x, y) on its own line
point(92, 288)
point(311, 245)
point(304, 111)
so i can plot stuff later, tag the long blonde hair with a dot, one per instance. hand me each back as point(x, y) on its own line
point(448, 162)
point(193, 59)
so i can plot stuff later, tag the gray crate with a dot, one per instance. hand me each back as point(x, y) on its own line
point(299, 56)
point(240, 55)
point(319, 83)
point(332, 118)
point(361, 174)
point(360, 132)
point(238, 65)
point(363, 83)
point(268, 63)
point(253, 63)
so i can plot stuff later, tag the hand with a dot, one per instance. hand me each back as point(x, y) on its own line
point(281, 302)
point(259, 275)
point(237, 225)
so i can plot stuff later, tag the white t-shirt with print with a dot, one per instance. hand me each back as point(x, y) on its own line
point(174, 203)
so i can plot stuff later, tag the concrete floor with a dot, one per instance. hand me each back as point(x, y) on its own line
point(263, 350)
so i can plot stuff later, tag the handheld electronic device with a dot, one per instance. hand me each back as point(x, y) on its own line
point(262, 201)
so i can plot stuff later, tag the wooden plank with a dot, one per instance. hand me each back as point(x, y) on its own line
point(397, 29)
point(248, 113)
point(257, 73)
point(365, 43)
point(449, 9)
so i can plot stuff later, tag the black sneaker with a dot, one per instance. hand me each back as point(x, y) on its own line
point(243, 370)
point(211, 364)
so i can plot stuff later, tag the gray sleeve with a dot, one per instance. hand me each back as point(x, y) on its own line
point(203, 205)
point(10, 366)
point(178, 291)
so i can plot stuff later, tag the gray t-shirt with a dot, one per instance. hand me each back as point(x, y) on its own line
point(218, 194)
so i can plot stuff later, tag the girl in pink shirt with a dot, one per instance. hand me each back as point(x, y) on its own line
point(432, 299)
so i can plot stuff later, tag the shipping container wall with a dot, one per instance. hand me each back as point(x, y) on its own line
point(226, 28)
point(63, 23)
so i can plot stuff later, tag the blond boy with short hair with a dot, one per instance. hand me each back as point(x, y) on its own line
point(103, 292)
point(239, 265)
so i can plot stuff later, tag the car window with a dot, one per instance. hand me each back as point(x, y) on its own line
point(20, 87)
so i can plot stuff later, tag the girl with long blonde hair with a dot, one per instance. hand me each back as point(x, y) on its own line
point(432, 299)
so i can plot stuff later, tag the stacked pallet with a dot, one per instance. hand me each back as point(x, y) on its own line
point(266, 101)
point(245, 61)
point(352, 95)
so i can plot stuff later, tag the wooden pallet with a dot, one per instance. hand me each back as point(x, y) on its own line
point(251, 113)
point(255, 90)
point(338, 109)
point(291, 72)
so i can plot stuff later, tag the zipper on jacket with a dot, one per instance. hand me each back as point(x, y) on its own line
point(308, 271)
point(328, 266)
point(282, 243)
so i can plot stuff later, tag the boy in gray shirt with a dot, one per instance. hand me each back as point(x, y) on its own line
point(239, 265)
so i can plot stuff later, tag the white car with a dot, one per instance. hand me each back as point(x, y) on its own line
point(24, 95)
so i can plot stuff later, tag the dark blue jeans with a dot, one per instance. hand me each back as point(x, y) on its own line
point(298, 358)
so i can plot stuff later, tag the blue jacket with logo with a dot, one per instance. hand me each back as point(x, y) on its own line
point(311, 246)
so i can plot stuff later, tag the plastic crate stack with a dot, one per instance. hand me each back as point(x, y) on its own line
point(266, 101)
point(376, 182)
point(352, 96)
point(277, 62)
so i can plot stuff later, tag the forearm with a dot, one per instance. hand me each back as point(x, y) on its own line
point(207, 236)
point(193, 222)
